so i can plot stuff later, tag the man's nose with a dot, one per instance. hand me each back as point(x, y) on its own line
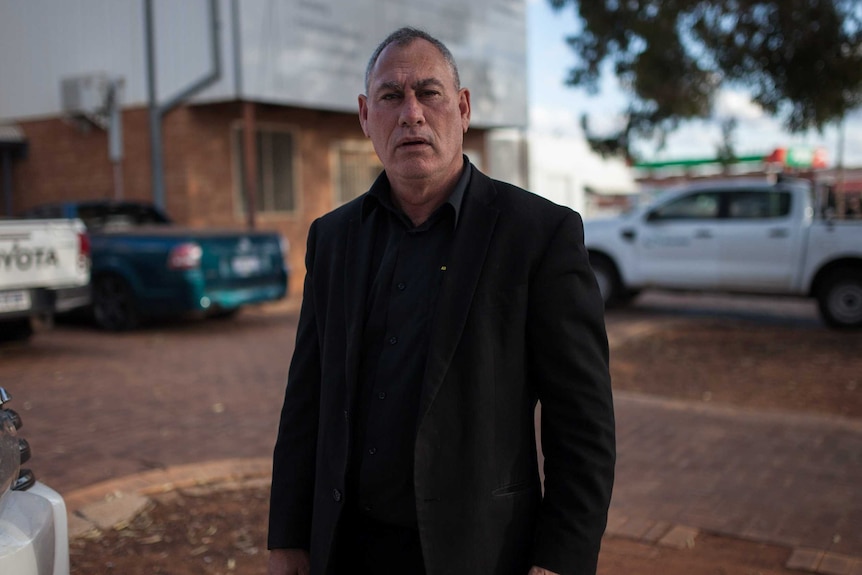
point(411, 111)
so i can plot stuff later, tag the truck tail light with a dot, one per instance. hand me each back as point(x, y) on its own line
point(84, 251)
point(185, 257)
point(84, 244)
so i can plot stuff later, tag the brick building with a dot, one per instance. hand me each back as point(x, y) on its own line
point(288, 71)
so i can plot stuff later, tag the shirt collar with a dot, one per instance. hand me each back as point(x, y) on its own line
point(380, 193)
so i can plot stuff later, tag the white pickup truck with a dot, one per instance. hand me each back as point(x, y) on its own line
point(44, 268)
point(734, 236)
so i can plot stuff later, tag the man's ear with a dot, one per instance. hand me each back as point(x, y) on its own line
point(363, 113)
point(464, 106)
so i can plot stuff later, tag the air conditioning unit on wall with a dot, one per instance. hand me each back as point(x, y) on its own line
point(84, 95)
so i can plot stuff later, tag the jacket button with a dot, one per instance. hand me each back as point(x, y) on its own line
point(336, 495)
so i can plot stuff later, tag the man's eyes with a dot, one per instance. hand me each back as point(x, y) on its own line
point(422, 94)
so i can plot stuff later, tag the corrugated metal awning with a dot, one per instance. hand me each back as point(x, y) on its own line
point(12, 141)
point(11, 135)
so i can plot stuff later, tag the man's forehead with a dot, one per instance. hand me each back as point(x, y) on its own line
point(418, 58)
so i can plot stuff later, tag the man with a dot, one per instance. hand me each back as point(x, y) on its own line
point(438, 308)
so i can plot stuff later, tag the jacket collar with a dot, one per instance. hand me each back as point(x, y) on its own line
point(380, 194)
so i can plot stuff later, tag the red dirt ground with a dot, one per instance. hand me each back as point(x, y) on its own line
point(773, 367)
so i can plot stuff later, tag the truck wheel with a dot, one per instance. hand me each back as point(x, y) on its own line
point(608, 279)
point(16, 329)
point(840, 299)
point(223, 313)
point(114, 307)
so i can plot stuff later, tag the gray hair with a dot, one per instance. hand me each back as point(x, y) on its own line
point(404, 37)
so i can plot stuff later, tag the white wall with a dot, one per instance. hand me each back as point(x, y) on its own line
point(559, 168)
point(45, 41)
point(309, 53)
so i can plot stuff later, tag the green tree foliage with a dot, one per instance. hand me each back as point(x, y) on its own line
point(800, 59)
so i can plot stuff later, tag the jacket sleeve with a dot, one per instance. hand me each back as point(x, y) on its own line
point(293, 466)
point(568, 363)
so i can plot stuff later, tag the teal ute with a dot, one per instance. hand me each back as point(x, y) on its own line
point(144, 266)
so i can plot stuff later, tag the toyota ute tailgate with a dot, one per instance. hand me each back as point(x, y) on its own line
point(241, 268)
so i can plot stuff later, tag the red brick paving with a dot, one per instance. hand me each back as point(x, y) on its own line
point(98, 407)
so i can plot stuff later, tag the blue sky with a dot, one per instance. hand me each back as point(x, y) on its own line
point(555, 108)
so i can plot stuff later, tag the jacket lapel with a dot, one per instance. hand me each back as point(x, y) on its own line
point(358, 252)
point(469, 248)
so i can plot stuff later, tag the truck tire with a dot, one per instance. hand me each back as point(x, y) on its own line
point(16, 329)
point(840, 299)
point(608, 279)
point(114, 306)
point(224, 314)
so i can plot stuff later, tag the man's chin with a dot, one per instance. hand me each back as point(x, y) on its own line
point(414, 153)
point(413, 169)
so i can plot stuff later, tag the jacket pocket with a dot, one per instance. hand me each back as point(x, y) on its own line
point(514, 489)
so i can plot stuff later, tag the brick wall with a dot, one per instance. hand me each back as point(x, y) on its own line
point(68, 162)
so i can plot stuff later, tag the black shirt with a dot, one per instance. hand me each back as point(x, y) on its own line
point(408, 264)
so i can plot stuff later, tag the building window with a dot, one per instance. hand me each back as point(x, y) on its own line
point(276, 169)
point(356, 168)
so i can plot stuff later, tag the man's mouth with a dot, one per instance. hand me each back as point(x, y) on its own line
point(412, 143)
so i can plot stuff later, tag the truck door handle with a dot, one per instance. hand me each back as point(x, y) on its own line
point(629, 235)
point(703, 234)
point(778, 233)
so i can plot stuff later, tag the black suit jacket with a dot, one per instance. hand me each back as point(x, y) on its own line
point(519, 318)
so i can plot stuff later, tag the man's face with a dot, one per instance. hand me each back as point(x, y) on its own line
point(415, 116)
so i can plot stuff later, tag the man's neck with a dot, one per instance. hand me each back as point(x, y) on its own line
point(419, 201)
point(419, 198)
